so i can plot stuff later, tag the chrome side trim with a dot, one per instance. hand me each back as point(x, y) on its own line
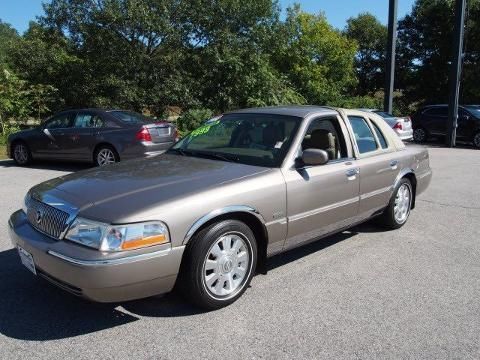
point(225, 210)
point(323, 209)
point(109, 262)
point(376, 192)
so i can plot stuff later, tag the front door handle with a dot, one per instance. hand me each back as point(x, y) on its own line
point(394, 164)
point(352, 173)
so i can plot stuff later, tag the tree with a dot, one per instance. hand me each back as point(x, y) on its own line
point(8, 36)
point(371, 37)
point(317, 59)
point(425, 52)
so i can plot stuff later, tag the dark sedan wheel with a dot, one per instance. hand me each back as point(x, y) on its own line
point(105, 155)
point(398, 210)
point(476, 140)
point(21, 153)
point(420, 135)
point(219, 264)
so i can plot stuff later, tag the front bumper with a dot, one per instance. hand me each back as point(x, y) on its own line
point(102, 277)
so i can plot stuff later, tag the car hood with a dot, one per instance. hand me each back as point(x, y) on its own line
point(142, 183)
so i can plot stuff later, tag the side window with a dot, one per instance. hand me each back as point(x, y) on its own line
point(326, 134)
point(380, 136)
point(83, 120)
point(437, 111)
point(363, 134)
point(61, 121)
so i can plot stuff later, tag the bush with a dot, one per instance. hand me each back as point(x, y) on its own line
point(7, 130)
point(192, 119)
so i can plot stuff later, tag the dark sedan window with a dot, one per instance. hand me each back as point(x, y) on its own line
point(85, 120)
point(436, 111)
point(253, 139)
point(61, 121)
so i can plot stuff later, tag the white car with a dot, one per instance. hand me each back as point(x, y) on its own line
point(401, 125)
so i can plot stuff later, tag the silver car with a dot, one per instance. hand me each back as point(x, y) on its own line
point(218, 204)
point(401, 125)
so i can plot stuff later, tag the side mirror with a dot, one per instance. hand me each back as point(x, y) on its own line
point(314, 157)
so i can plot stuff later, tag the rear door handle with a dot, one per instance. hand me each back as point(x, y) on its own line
point(352, 173)
point(394, 164)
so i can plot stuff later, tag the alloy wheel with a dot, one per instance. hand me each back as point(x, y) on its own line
point(105, 156)
point(227, 265)
point(20, 154)
point(403, 201)
point(476, 140)
point(419, 135)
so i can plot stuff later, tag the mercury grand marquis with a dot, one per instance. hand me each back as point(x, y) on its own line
point(213, 208)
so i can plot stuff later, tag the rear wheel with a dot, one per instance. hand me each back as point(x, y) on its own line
point(420, 135)
point(218, 264)
point(476, 140)
point(21, 153)
point(398, 210)
point(105, 155)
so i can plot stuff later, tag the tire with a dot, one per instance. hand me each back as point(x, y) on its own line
point(398, 210)
point(476, 140)
point(420, 135)
point(218, 264)
point(105, 155)
point(21, 153)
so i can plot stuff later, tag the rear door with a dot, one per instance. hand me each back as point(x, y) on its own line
point(378, 165)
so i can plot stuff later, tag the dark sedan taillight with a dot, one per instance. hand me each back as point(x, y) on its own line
point(143, 135)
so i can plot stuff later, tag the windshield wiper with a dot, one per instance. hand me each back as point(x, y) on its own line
point(177, 151)
point(219, 156)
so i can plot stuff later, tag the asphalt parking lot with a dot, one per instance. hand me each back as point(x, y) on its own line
point(365, 293)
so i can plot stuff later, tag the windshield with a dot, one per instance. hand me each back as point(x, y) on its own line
point(474, 110)
point(252, 139)
point(130, 117)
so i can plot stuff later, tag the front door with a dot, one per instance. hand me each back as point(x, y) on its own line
point(323, 198)
point(52, 136)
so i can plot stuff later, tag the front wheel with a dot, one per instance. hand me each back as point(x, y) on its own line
point(219, 264)
point(420, 135)
point(398, 210)
point(21, 153)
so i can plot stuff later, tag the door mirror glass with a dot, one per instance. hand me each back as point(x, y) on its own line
point(314, 157)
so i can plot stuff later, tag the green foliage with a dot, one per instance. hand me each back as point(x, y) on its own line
point(193, 118)
point(317, 59)
point(371, 37)
point(8, 37)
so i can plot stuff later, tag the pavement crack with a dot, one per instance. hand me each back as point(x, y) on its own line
point(450, 205)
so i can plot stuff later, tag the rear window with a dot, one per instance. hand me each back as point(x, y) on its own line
point(383, 114)
point(380, 136)
point(130, 117)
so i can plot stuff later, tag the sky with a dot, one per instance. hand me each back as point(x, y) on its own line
point(18, 13)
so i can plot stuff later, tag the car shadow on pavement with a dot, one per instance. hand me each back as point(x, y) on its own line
point(31, 309)
point(48, 165)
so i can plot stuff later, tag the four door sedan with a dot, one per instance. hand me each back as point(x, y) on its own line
point(207, 213)
point(92, 135)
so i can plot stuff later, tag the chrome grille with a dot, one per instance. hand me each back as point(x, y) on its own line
point(45, 218)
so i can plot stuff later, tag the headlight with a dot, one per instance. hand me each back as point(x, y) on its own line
point(117, 237)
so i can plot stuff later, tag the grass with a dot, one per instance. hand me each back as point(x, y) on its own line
point(3, 152)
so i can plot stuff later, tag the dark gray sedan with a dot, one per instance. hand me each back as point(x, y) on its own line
point(92, 135)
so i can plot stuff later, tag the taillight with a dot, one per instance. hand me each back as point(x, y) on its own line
point(143, 135)
point(175, 135)
point(398, 126)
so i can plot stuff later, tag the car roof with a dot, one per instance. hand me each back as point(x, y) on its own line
point(291, 110)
